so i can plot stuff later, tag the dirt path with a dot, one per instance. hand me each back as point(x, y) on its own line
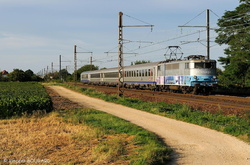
point(193, 144)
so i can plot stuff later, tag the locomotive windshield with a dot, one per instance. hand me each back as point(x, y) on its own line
point(204, 65)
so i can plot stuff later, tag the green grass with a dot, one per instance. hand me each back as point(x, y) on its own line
point(232, 124)
point(150, 149)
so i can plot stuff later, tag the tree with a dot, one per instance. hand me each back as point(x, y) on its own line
point(84, 69)
point(87, 68)
point(17, 75)
point(140, 62)
point(234, 31)
point(50, 76)
point(29, 75)
point(20, 75)
point(64, 74)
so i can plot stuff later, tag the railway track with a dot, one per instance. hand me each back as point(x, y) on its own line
point(214, 103)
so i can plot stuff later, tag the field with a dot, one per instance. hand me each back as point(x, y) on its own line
point(72, 134)
point(69, 140)
point(18, 98)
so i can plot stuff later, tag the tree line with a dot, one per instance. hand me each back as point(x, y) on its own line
point(28, 75)
point(20, 75)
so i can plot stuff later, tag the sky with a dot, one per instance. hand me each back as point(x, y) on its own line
point(33, 33)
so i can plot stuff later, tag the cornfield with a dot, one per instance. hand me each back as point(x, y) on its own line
point(17, 98)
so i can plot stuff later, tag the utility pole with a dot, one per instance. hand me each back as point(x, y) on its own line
point(208, 33)
point(52, 71)
point(60, 66)
point(91, 61)
point(120, 52)
point(75, 62)
point(120, 56)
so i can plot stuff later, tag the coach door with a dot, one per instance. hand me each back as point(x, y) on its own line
point(153, 73)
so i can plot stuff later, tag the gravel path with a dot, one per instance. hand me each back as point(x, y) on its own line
point(192, 144)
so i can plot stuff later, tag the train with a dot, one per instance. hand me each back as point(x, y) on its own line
point(194, 74)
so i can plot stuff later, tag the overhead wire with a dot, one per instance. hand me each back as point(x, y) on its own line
point(143, 47)
point(159, 42)
point(194, 18)
point(137, 19)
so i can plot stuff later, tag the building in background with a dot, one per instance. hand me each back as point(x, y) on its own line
point(4, 73)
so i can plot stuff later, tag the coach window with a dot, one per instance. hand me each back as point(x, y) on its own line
point(186, 65)
point(84, 76)
point(142, 73)
point(159, 68)
point(96, 75)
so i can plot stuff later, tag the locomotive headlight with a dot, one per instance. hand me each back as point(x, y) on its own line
point(215, 77)
point(195, 77)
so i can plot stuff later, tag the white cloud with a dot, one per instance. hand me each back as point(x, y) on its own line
point(17, 41)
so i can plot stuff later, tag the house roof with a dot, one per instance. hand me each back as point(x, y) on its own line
point(4, 72)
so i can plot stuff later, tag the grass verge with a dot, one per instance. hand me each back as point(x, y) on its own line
point(147, 147)
point(233, 125)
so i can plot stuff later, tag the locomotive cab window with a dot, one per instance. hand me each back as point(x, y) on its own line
point(210, 65)
point(204, 65)
point(198, 65)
